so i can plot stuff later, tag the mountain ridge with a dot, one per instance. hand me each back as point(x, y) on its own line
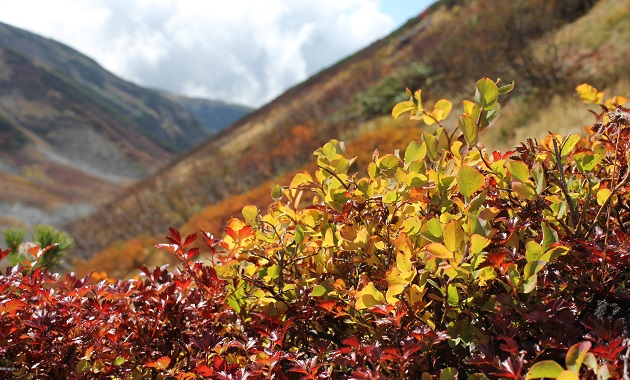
point(69, 127)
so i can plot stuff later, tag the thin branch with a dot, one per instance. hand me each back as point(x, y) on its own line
point(563, 184)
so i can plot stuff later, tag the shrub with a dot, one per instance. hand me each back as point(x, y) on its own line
point(55, 244)
point(446, 260)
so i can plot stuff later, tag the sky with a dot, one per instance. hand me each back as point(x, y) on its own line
point(240, 51)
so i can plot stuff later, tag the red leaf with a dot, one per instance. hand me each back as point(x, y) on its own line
point(192, 253)
point(4, 253)
point(189, 239)
point(12, 307)
point(204, 370)
point(161, 364)
point(231, 233)
point(175, 234)
point(351, 341)
point(245, 232)
point(171, 247)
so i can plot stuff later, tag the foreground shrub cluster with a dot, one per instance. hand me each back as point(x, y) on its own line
point(443, 261)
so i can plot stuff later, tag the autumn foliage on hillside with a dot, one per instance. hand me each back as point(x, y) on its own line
point(444, 261)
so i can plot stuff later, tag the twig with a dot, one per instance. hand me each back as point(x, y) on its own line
point(610, 196)
point(625, 364)
point(563, 184)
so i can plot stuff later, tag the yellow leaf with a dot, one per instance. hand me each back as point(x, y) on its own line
point(602, 196)
point(470, 180)
point(440, 251)
point(392, 294)
point(468, 107)
point(440, 112)
point(589, 94)
point(368, 296)
point(403, 257)
point(418, 96)
point(329, 240)
point(402, 108)
point(615, 101)
point(453, 236)
point(415, 294)
point(478, 243)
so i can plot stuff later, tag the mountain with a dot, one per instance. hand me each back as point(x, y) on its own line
point(72, 134)
point(214, 115)
point(546, 47)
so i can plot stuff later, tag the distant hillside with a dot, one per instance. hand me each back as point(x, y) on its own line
point(214, 115)
point(72, 135)
point(443, 51)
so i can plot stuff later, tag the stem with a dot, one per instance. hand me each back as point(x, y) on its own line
point(563, 184)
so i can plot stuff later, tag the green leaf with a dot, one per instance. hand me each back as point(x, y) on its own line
point(544, 369)
point(507, 88)
point(448, 374)
point(487, 94)
point(435, 227)
point(533, 267)
point(568, 144)
point(318, 291)
point(452, 295)
point(518, 170)
point(83, 366)
point(391, 197)
point(586, 161)
point(576, 354)
point(250, 214)
point(416, 150)
point(299, 235)
point(533, 251)
point(432, 145)
point(490, 116)
point(550, 236)
point(276, 192)
point(591, 361)
point(469, 129)
point(119, 360)
point(273, 272)
point(470, 180)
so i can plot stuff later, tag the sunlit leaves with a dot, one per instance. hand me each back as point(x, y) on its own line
point(447, 254)
point(368, 297)
point(440, 251)
point(416, 150)
point(469, 180)
point(544, 369)
point(576, 355)
point(589, 94)
point(469, 129)
point(486, 94)
point(439, 112)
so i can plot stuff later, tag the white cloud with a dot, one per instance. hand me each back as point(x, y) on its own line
point(246, 51)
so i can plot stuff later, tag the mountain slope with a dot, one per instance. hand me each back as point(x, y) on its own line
point(213, 115)
point(443, 51)
point(72, 134)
